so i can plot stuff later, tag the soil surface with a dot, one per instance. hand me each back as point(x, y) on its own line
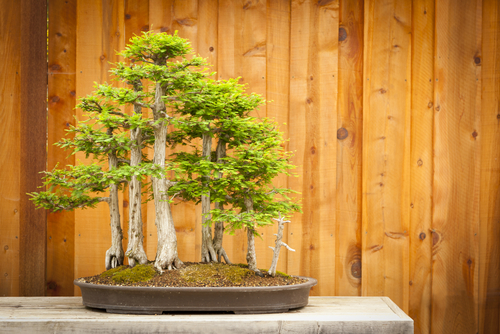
point(191, 275)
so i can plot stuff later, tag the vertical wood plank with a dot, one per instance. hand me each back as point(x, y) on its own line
point(186, 215)
point(421, 164)
point(62, 98)
point(386, 150)
point(250, 59)
point(278, 92)
point(207, 45)
point(313, 115)
point(242, 53)
point(136, 20)
point(349, 150)
point(457, 144)
point(234, 245)
point(489, 214)
point(160, 20)
point(10, 97)
point(33, 127)
point(95, 48)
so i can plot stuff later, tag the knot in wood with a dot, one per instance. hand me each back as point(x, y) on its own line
point(477, 60)
point(342, 133)
point(356, 269)
point(211, 49)
point(342, 34)
point(422, 236)
point(420, 162)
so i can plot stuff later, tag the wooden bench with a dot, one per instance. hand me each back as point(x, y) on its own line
point(322, 315)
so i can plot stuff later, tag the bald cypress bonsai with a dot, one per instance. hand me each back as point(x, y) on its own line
point(229, 167)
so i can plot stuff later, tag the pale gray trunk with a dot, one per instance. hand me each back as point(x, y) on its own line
point(114, 255)
point(219, 226)
point(278, 244)
point(251, 255)
point(166, 254)
point(135, 248)
point(207, 249)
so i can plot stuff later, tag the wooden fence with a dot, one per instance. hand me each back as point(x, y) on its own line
point(392, 110)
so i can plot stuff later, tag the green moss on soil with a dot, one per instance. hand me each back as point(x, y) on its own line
point(125, 274)
point(109, 273)
point(212, 272)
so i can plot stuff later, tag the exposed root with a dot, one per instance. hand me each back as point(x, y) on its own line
point(172, 264)
point(136, 256)
point(114, 257)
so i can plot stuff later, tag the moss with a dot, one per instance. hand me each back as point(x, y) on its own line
point(140, 273)
point(283, 274)
point(212, 272)
point(109, 273)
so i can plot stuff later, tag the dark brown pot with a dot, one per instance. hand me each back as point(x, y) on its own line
point(147, 300)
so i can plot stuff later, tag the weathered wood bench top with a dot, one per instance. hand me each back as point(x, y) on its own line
point(322, 315)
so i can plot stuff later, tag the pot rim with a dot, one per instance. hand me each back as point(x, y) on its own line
point(310, 282)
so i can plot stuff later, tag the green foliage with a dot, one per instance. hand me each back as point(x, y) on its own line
point(221, 110)
point(196, 106)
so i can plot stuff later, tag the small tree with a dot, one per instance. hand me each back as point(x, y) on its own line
point(237, 171)
point(68, 189)
point(220, 112)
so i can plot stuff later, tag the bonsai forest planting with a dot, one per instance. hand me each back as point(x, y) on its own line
point(226, 162)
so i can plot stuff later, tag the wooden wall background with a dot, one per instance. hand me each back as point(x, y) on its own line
point(391, 107)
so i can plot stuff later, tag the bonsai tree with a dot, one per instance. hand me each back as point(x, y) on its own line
point(219, 113)
point(68, 189)
point(235, 172)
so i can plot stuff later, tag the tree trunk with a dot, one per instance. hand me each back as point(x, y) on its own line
point(207, 249)
point(166, 254)
point(219, 226)
point(114, 255)
point(278, 244)
point(135, 248)
point(251, 256)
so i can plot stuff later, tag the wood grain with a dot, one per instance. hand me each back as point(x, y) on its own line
point(228, 67)
point(160, 20)
point(386, 150)
point(313, 115)
point(457, 158)
point(135, 21)
point(349, 150)
point(10, 97)
point(96, 23)
point(421, 164)
point(33, 129)
point(61, 102)
point(278, 93)
point(489, 210)
point(186, 16)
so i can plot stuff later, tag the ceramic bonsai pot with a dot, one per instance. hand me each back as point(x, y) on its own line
point(155, 300)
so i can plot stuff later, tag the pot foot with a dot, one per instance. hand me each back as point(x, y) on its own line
point(262, 312)
point(145, 312)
